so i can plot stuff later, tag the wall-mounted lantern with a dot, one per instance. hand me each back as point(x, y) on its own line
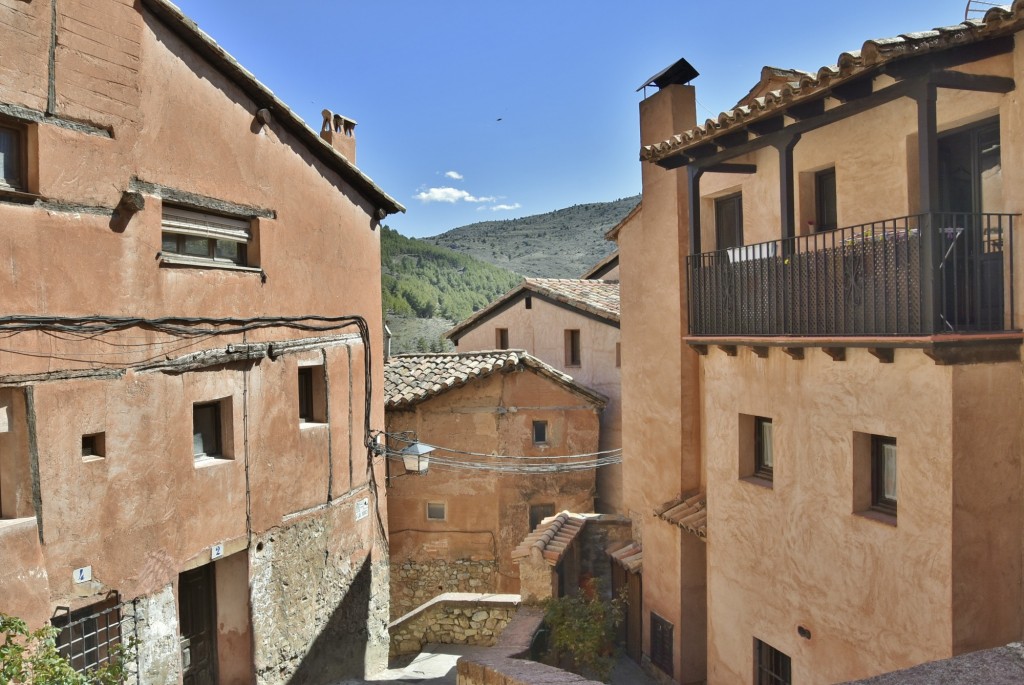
point(415, 457)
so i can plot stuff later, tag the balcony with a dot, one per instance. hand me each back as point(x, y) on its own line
point(919, 275)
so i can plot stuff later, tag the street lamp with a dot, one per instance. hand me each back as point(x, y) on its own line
point(415, 457)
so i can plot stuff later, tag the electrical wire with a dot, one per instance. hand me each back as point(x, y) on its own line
point(400, 437)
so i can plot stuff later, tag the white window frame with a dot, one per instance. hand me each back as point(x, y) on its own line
point(179, 221)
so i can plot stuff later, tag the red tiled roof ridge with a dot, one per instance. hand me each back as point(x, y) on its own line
point(551, 538)
point(688, 511)
point(594, 296)
point(998, 20)
point(413, 378)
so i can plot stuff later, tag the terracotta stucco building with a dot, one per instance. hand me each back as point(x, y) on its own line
point(572, 325)
point(506, 429)
point(822, 392)
point(190, 308)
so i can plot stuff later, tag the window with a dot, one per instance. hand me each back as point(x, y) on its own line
point(661, 643)
point(729, 222)
point(771, 667)
point(501, 338)
point(618, 355)
point(206, 430)
point(93, 446)
point(529, 302)
point(89, 635)
point(540, 432)
point(764, 459)
point(12, 158)
point(539, 512)
point(436, 511)
point(883, 474)
point(312, 394)
point(194, 237)
point(572, 347)
point(825, 212)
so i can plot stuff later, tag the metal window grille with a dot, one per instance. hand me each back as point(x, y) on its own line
point(88, 637)
point(773, 667)
point(661, 643)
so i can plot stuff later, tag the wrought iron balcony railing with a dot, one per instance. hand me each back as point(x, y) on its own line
point(915, 275)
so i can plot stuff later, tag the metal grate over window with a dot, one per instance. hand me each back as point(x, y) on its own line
point(661, 643)
point(89, 636)
point(772, 666)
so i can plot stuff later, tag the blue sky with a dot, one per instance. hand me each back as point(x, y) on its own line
point(475, 110)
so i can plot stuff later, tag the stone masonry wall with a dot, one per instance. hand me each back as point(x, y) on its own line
point(319, 601)
point(416, 582)
point(455, 618)
point(509, 663)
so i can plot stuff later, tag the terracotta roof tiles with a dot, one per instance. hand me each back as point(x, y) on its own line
point(998, 21)
point(689, 512)
point(629, 556)
point(413, 378)
point(594, 296)
point(551, 538)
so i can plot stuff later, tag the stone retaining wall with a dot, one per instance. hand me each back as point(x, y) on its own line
point(455, 618)
point(508, 662)
point(415, 582)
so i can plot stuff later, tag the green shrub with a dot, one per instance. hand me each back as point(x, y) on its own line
point(31, 658)
point(583, 630)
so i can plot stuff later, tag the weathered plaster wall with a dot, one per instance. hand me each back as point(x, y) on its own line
point(660, 419)
point(156, 623)
point(988, 511)
point(487, 513)
point(147, 511)
point(796, 553)
point(540, 331)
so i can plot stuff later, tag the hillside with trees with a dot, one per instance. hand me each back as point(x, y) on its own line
point(560, 244)
point(420, 281)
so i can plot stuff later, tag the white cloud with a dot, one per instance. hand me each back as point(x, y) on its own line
point(505, 208)
point(450, 195)
point(454, 174)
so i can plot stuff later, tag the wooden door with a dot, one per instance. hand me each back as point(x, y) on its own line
point(196, 618)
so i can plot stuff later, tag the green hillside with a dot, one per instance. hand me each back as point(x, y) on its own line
point(560, 244)
point(426, 281)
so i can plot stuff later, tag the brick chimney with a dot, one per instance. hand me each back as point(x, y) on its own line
point(340, 132)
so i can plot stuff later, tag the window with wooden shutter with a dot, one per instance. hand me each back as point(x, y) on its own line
point(195, 237)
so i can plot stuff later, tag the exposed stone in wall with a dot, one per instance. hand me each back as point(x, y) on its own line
point(454, 619)
point(158, 660)
point(597, 535)
point(319, 601)
point(509, 663)
point(415, 582)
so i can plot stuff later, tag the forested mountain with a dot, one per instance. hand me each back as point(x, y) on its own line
point(560, 244)
point(426, 281)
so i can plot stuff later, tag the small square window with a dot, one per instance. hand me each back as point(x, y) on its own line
point(93, 446)
point(206, 430)
point(572, 347)
point(771, 667)
point(883, 474)
point(12, 158)
point(501, 338)
point(436, 511)
point(764, 449)
point(312, 394)
point(540, 432)
point(539, 512)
